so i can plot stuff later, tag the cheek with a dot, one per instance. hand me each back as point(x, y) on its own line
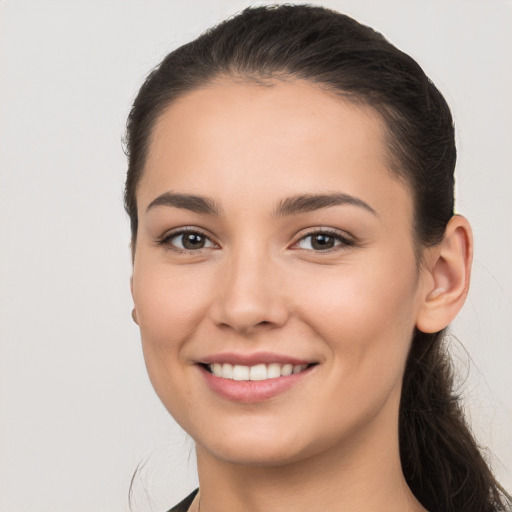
point(366, 320)
point(169, 302)
point(365, 314)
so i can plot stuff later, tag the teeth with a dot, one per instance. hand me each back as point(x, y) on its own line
point(273, 371)
point(227, 370)
point(257, 372)
point(240, 372)
point(287, 369)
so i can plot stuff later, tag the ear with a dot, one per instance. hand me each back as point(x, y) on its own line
point(134, 310)
point(446, 280)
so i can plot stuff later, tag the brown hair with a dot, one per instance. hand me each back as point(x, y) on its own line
point(440, 458)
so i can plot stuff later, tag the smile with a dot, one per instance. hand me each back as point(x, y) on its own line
point(257, 372)
point(254, 378)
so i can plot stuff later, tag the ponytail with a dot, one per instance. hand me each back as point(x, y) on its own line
point(441, 461)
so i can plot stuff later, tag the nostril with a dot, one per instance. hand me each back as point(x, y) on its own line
point(247, 312)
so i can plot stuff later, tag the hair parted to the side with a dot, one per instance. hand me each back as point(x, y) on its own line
point(440, 458)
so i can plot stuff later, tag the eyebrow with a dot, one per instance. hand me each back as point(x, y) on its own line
point(197, 204)
point(290, 206)
point(310, 202)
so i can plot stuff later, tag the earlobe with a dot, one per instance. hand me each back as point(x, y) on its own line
point(134, 310)
point(448, 269)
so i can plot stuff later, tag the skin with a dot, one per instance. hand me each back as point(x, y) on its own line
point(331, 441)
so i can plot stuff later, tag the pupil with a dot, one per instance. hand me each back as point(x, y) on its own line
point(322, 242)
point(193, 241)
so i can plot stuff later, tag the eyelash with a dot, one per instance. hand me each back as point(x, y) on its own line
point(343, 241)
point(165, 241)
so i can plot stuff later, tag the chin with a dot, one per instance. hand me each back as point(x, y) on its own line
point(261, 445)
point(254, 452)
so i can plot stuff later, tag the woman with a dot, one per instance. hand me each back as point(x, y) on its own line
point(296, 259)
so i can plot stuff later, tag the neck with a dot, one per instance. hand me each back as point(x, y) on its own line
point(361, 474)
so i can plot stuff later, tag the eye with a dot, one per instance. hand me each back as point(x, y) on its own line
point(187, 240)
point(323, 241)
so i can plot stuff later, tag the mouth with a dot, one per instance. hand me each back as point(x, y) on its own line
point(253, 379)
point(258, 372)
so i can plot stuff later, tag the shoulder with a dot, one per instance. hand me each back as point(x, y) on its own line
point(182, 506)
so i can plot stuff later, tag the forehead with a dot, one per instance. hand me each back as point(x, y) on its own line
point(244, 139)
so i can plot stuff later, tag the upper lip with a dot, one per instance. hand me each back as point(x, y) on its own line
point(252, 359)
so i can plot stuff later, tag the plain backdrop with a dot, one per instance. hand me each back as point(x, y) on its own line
point(77, 412)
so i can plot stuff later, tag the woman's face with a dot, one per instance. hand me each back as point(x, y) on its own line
point(274, 239)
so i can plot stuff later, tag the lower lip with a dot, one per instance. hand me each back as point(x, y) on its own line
point(252, 391)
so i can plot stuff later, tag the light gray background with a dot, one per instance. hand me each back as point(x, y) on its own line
point(77, 413)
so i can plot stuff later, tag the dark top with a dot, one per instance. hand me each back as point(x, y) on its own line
point(182, 506)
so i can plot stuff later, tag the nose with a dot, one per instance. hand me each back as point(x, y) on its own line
point(250, 296)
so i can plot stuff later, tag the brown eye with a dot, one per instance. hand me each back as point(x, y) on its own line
point(323, 241)
point(193, 241)
point(188, 241)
